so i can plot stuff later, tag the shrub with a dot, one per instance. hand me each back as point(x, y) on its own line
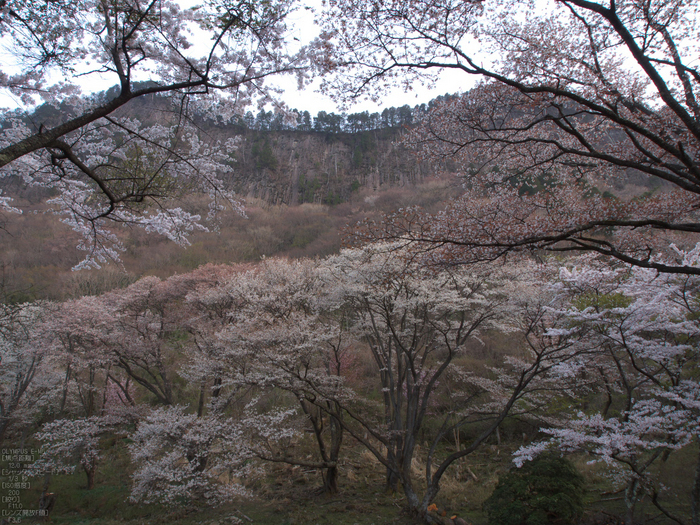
point(547, 490)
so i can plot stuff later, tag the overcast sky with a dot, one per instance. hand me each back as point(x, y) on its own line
point(303, 30)
point(312, 101)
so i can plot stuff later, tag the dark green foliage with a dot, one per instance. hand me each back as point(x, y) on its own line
point(547, 490)
point(333, 199)
point(264, 156)
point(357, 158)
point(308, 189)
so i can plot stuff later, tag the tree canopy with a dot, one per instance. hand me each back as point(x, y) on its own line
point(103, 165)
point(575, 91)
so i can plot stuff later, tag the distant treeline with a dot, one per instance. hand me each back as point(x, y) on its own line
point(295, 120)
point(323, 122)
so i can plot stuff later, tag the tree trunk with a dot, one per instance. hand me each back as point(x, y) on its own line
point(47, 501)
point(202, 394)
point(392, 481)
point(4, 423)
point(64, 394)
point(90, 473)
point(415, 505)
point(330, 480)
point(631, 496)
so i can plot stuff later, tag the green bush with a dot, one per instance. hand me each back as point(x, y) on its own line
point(264, 156)
point(547, 490)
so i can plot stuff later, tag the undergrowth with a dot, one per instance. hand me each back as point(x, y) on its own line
point(290, 495)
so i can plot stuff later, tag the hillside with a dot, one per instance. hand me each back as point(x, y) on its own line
point(302, 183)
point(292, 167)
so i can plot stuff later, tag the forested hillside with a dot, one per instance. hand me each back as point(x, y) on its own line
point(300, 185)
point(227, 387)
point(481, 310)
point(294, 158)
point(423, 382)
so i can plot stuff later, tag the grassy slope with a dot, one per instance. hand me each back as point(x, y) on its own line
point(286, 495)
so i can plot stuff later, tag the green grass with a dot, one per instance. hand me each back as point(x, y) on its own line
point(288, 495)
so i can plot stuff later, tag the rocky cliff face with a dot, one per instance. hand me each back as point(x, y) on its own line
point(294, 167)
point(287, 166)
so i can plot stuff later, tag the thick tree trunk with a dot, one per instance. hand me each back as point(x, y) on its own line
point(90, 473)
point(416, 507)
point(330, 480)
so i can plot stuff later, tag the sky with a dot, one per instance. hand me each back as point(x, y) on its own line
point(302, 30)
point(312, 101)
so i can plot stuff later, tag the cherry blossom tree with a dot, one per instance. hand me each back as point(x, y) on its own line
point(416, 324)
point(80, 330)
point(286, 333)
point(107, 344)
point(639, 356)
point(161, 331)
point(141, 172)
point(148, 333)
point(28, 380)
point(104, 166)
point(208, 312)
point(67, 443)
point(181, 457)
point(571, 94)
